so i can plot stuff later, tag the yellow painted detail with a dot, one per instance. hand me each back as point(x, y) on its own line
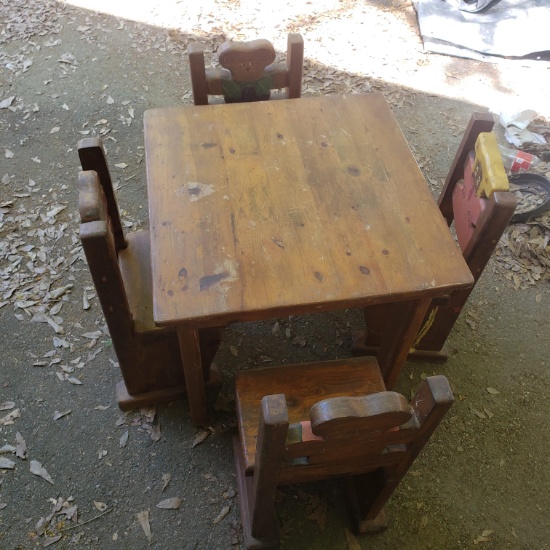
point(489, 173)
point(425, 328)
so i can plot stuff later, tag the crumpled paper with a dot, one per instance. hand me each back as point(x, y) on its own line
point(516, 122)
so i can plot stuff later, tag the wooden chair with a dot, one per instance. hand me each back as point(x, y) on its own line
point(480, 219)
point(149, 357)
point(308, 422)
point(247, 71)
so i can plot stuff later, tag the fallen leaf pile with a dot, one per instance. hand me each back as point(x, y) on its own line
point(523, 253)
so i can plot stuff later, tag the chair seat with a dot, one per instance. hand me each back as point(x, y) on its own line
point(135, 267)
point(303, 385)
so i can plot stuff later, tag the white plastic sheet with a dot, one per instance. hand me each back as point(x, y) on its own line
point(509, 28)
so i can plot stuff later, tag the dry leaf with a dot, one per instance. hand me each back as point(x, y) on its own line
point(199, 438)
point(154, 431)
point(6, 102)
point(222, 514)
point(351, 540)
point(38, 470)
point(21, 448)
point(165, 480)
point(9, 418)
point(60, 343)
point(484, 537)
point(170, 503)
point(101, 506)
point(6, 464)
point(149, 413)
point(316, 510)
point(57, 415)
point(124, 439)
point(479, 414)
point(423, 521)
point(74, 380)
point(143, 518)
point(51, 540)
point(223, 403)
point(492, 391)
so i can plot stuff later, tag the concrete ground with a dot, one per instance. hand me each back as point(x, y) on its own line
point(69, 71)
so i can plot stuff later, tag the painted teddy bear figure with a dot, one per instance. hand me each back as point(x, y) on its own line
point(248, 79)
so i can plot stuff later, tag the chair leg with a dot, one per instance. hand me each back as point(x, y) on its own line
point(189, 341)
point(361, 348)
point(257, 492)
point(129, 402)
point(244, 484)
point(368, 493)
point(405, 322)
point(270, 450)
point(210, 339)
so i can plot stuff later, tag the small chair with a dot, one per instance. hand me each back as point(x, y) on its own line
point(475, 196)
point(149, 356)
point(300, 423)
point(247, 71)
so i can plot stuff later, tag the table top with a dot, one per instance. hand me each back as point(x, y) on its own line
point(267, 209)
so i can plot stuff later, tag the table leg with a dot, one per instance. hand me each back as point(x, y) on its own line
point(397, 341)
point(210, 339)
point(193, 371)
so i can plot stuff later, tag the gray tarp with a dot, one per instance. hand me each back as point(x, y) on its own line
point(510, 28)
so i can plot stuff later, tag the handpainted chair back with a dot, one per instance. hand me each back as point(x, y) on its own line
point(476, 198)
point(247, 71)
point(370, 439)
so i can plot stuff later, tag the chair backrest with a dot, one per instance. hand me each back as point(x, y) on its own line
point(482, 204)
point(355, 435)
point(97, 233)
point(247, 71)
point(92, 157)
point(474, 197)
point(149, 357)
point(372, 440)
point(483, 177)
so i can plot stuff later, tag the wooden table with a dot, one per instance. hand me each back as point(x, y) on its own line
point(264, 210)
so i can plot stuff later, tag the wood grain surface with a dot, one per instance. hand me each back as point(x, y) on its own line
point(261, 210)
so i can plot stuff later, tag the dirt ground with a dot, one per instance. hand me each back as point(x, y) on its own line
point(483, 479)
